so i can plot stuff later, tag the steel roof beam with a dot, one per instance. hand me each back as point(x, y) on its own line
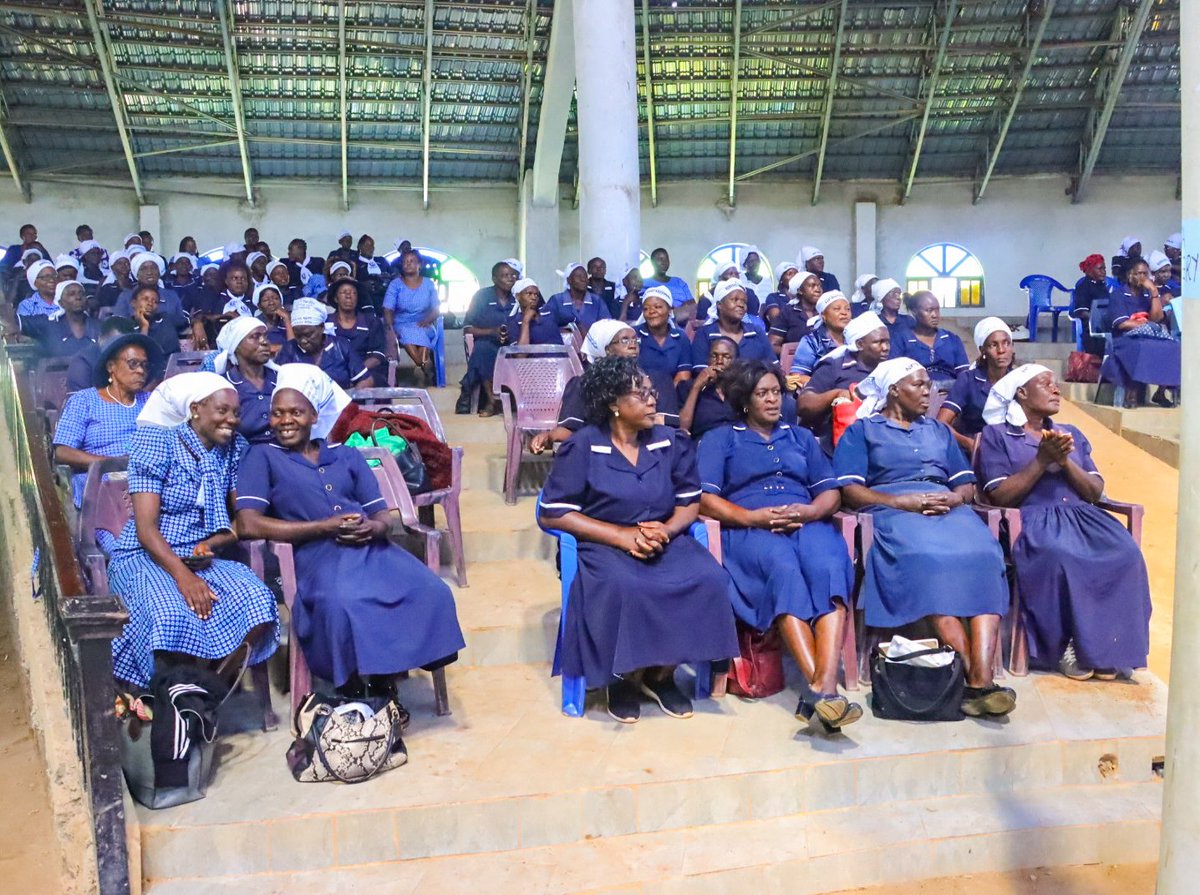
point(235, 94)
point(733, 100)
point(652, 153)
point(343, 104)
point(527, 85)
point(854, 83)
point(1108, 91)
point(1030, 57)
point(10, 155)
point(808, 152)
point(558, 90)
point(426, 102)
point(830, 91)
point(930, 91)
point(108, 67)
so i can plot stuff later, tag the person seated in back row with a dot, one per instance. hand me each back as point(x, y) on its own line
point(730, 300)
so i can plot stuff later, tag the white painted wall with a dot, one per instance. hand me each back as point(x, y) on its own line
point(1025, 225)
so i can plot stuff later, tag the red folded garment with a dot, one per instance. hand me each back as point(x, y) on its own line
point(434, 452)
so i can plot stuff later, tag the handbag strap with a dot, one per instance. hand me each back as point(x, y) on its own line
point(951, 681)
point(387, 753)
point(935, 651)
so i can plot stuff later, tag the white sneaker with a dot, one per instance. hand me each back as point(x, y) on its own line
point(1069, 666)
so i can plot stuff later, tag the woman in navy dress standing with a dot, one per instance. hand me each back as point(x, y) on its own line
point(365, 608)
point(962, 410)
point(773, 491)
point(932, 558)
point(1085, 595)
point(646, 596)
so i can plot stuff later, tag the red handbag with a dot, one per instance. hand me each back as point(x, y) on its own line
point(1083, 366)
point(844, 415)
point(758, 671)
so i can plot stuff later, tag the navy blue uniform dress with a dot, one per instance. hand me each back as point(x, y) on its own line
point(967, 398)
point(673, 356)
point(487, 311)
point(815, 345)
point(366, 339)
point(1148, 354)
point(791, 323)
point(1086, 293)
point(543, 329)
point(829, 283)
point(572, 412)
point(1082, 576)
point(370, 609)
point(55, 337)
point(800, 574)
point(898, 330)
point(337, 359)
point(562, 308)
point(754, 344)
point(713, 411)
point(833, 373)
point(920, 565)
point(944, 359)
point(624, 613)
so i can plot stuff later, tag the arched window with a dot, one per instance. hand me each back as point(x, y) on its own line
point(455, 281)
point(731, 252)
point(950, 272)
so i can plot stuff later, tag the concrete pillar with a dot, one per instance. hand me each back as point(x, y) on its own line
point(1179, 853)
point(606, 109)
point(864, 241)
point(150, 219)
point(538, 237)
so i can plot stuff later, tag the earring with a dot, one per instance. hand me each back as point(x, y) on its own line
point(616, 413)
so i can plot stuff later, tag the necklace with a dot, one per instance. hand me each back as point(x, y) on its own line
point(117, 400)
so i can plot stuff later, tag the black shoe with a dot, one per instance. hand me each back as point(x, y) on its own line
point(993, 700)
point(463, 404)
point(623, 702)
point(806, 713)
point(669, 697)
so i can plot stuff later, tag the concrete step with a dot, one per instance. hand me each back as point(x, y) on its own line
point(494, 531)
point(506, 786)
point(510, 612)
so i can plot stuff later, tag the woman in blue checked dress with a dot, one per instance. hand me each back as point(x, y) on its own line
point(182, 600)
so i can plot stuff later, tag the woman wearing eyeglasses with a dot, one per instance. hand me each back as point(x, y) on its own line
point(646, 596)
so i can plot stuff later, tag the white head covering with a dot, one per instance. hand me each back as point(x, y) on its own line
point(1175, 241)
point(1129, 242)
point(211, 265)
point(726, 288)
point(1156, 260)
point(797, 280)
point(326, 396)
point(190, 257)
point(986, 327)
point(783, 267)
point(171, 403)
point(662, 293)
point(807, 253)
point(860, 296)
point(274, 264)
point(254, 256)
point(751, 250)
point(874, 389)
point(266, 287)
point(228, 339)
point(722, 269)
point(234, 248)
point(522, 284)
point(399, 241)
point(858, 328)
point(131, 237)
point(58, 293)
point(343, 233)
point(600, 336)
point(566, 274)
point(336, 264)
point(147, 258)
point(66, 261)
point(87, 245)
point(33, 251)
point(879, 289)
point(826, 299)
point(515, 265)
point(309, 312)
point(1002, 406)
point(32, 271)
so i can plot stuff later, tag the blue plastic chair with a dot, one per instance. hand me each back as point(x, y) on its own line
point(1040, 289)
point(439, 354)
point(574, 689)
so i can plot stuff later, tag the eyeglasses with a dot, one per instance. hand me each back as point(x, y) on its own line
point(137, 366)
point(626, 340)
point(645, 395)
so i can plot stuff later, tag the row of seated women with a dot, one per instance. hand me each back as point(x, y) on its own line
point(647, 597)
point(365, 608)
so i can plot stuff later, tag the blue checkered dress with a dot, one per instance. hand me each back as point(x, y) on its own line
point(89, 423)
point(174, 464)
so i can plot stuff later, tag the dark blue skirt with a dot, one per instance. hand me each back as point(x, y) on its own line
point(1137, 361)
point(375, 609)
point(931, 565)
point(624, 613)
point(482, 361)
point(800, 574)
point(1082, 578)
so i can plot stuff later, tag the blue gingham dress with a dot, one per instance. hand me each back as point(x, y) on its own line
point(89, 423)
point(169, 462)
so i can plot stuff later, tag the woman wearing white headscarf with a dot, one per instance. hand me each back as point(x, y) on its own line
point(962, 410)
point(729, 299)
point(243, 357)
point(365, 609)
point(1130, 252)
point(315, 343)
point(860, 298)
point(827, 329)
point(726, 272)
point(575, 304)
point(931, 557)
point(784, 271)
point(42, 279)
point(790, 320)
point(1085, 595)
point(182, 599)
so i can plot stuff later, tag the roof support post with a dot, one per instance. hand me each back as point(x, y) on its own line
point(558, 90)
point(426, 102)
point(1108, 91)
point(103, 48)
point(342, 104)
point(930, 91)
point(10, 155)
point(1030, 57)
point(235, 92)
point(526, 87)
point(830, 90)
point(650, 103)
point(733, 100)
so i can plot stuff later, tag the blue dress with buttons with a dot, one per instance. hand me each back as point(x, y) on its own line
point(371, 609)
point(56, 338)
point(562, 308)
point(174, 464)
point(754, 344)
point(815, 345)
point(89, 423)
point(920, 565)
point(1081, 574)
point(487, 311)
point(944, 359)
point(843, 372)
point(791, 323)
point(409, 308)
point(802, 574)
point(336, 359)
point(623, 613)
point(673, 355)
point(968, 396)
point(1148, 354)
point(255, 402)
point(366, 339)
point(543, 329)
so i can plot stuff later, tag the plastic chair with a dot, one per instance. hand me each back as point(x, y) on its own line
point(416, 402)
point(574, 689)
point(1040, 289)
point(105, 507)
point(396, 496)
point(787, 354)
point(184, 362)
point(535, 377)
point(49, 383)
point(1099, 326)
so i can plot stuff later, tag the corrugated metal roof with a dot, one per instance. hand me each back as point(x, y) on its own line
point(170, 63)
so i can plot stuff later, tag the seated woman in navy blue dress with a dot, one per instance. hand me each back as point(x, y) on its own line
point(962, 410)
point(1090, 288)
point(183, 601)
point(70, 328)
point(827, 331)
point(664, 347)
point(243, 357)
point(361, 330)
point(887, 300)
point(365, 609)
point(575, 304)
point(149, 318)
point(646, 596)
point(723, 273)
point(730, 301)
point(938, 350)
point(773, 491)
point(486, 323)
point(268, 302)
point(860, 298)
point(1169, 288)
point(932, 558)
point(790, 320)
point(313, 344)
point(838, 372)
point(702, 404)
point(531, 321)
point(1129, 252)
point(1085, 595)
point(1144, 350)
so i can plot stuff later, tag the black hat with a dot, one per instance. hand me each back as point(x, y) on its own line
point(154, 355)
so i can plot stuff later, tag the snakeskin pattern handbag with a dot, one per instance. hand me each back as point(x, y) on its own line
point(345, 740)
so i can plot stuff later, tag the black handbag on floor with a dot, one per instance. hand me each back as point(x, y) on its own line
point(901, 691)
